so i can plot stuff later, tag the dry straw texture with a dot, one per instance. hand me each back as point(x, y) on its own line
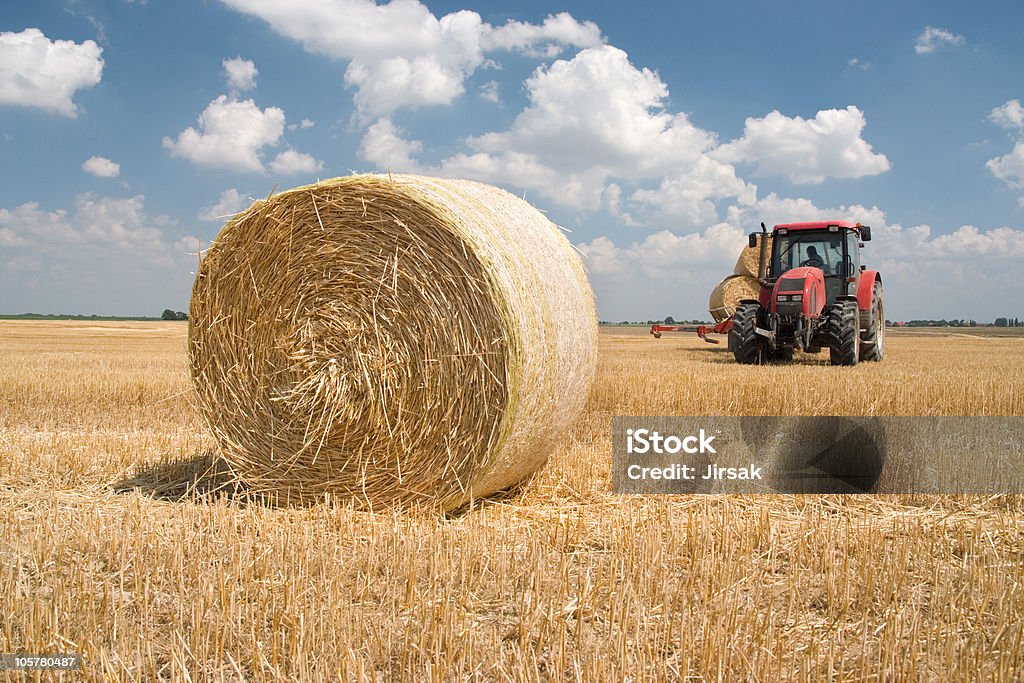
point(749, 258)
point(390, 339)
point(728, 293)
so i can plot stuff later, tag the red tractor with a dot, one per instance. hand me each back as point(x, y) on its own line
point(814, 294)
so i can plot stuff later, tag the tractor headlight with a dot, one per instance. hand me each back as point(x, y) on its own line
point(797, 297)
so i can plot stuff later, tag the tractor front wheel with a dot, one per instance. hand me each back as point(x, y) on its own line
point(747, 347)
point(872, 344)
point(844, 333)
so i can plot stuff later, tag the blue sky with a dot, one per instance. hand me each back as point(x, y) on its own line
point(658, 135)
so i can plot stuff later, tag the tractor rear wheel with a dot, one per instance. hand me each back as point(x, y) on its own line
point(844, 333)
point(872, 342)
point(747, 347)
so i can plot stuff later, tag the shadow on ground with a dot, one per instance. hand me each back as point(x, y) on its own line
point(208, 476)
point(198, 478)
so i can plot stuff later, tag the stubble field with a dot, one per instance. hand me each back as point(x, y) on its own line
point(121, 539)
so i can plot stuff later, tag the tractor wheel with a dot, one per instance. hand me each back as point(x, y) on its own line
point(844, 333)
point(872, 341)
point(747, 348)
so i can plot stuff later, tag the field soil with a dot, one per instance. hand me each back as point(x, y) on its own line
point(124, 538)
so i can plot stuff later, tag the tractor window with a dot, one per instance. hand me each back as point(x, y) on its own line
point(817, 249)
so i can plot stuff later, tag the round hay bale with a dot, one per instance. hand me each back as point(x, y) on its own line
point(390, 339)
point(746, 264)
point(728, 293)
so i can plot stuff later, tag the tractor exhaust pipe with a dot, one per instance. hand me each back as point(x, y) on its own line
point(762, 261)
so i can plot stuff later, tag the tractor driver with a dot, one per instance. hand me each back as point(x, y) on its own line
point(813, 260)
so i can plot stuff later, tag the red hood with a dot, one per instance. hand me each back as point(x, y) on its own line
point(801, 272)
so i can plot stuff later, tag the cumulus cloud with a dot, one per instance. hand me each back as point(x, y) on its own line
point(542, 40)
point(597, 109)
point(590, 120)
point(1009, 115)
point(290, 162)
point(38, 72)
point(240, 74)
point(400, 54)
point(931, 39)
point(665, 254)
point(230, 202)
point(690, 194)
point(385, 146)
point(117, 257)
point(99, 221)
point(101, 167)
point(490, 92)
point(806, 150)
point(231, 135)
point(1010, 167)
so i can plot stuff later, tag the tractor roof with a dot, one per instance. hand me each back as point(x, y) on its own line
point(816, 225)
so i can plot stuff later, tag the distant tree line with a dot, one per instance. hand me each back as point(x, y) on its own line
point(168, 314)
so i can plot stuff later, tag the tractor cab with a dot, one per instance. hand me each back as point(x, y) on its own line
point(833, 248)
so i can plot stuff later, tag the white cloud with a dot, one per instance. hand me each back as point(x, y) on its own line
point(1009, 115)
point(385, 146)
point(490, 92)
point(1010, 167)
point(38, 72)
point(230, 202)
point(290, 162)
point(304, 124)
point(543, 40)
point(110, 252)
point(240, 74)
point(665, 254)
point(933, 38)
point(98, 221)
point(773, 209)
point(806, 150)
point(597, 109)
point(402, 55)
point(592, 119)
point(101, 167)
point(231, 135)
point(690, 194)
point(594, 123)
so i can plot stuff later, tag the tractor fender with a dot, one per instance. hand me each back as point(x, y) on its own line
point(866, 289)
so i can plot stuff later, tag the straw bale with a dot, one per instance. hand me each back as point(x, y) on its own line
point(749, 258)
point(390, 339)
point(728, 293)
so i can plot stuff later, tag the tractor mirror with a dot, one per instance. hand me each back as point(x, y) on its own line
point(865, 233)
point(752, 240)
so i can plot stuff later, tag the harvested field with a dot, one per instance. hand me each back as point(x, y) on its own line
point(122, 538)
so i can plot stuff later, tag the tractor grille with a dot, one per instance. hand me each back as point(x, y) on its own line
point(789, 308)
point(791, 284)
